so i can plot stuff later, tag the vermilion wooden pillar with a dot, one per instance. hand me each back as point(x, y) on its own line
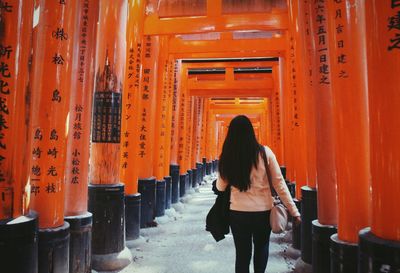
point(106, 193)
point(15, 44)
point(147, 112)
point(380, 246)
point(175, 129)
point(160, 126)
point(182, 131)
point(350, 108)
point(51, 86)
point(77, 152)
point(206, 107)
point(276, 109)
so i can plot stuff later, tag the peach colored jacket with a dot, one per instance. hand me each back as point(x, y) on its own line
point(258, 197)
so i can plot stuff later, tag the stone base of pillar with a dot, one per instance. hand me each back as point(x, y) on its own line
point(147, 188)
point(296, 229)
point(54, 243)
point(344, 256)
point(195, 178)
point(160, 198)
point(80, 245)
point(182, 184)
point(19, 244)
point(199, 167)
point(308, 214)
point(168, 191)
point(209, 168)
point(132, 215)
point(190, 180)
point(112, 261)
point(377, 254)
point(283, 171)
point(175, 182)
point(107, 204)
point(321, 255)
point(292, 188)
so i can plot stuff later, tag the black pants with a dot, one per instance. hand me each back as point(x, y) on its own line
point(248, 228)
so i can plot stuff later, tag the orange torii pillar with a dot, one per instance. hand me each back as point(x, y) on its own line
point(276, 116)
point(346, 21)
point(18, 254)
point(205, 109)
point(325, 226)
point(379, 246)
point(51, 86)
point(130, 118)
point(195, 140)
point(188, 145)
point(77, 153)
point(145, 148)
point(160, 127)
point(183, 122)
point(175, 129)
point(210, 139)
point(106, 193)
point(169, 85)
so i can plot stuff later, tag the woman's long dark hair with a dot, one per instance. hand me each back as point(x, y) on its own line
point(239, 153)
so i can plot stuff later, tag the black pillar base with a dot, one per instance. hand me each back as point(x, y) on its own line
point(54, 249)
point(195, 176)
point(107, 204)
point(182, 184)
point(189, 180)
point(168, 191)
point(296, 229)
point(174, 172)
point(204, 167)
point(160, 198)
point(80, 246)
point(19, 244)
point(283, 171)
point(199, 167)
point(292, 188)
point(132, 216)
point(308, 214)
point(344, 256)
point(147, 188)
point(377, 254)
point(321, 256)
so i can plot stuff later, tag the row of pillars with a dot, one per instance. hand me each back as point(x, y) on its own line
point(97, 136)
point(342, 129)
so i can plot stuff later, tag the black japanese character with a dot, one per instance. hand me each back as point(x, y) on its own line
point(53, 135)
point(52, 171)
point(3, 122)
point(5, 72)
point(339, 29)
point(342, 59)
point(36, 170)
point(59, 34)
point(343, 74)
point(5, 6)
point(51, 188)
point(37, 152)
point(75, 180)
point(77, 135)
point(338, 13)
point(4, 88)
point(3, 106)
point(75, 162)
point(52, 152)
point(395, 42)
point(394, 22)
point(5, 51)
point(76, 153)
point(395, 3)
point(56, 96)
point(78, 108)
point(62, 2)
point(58, 59)
point(75, 170)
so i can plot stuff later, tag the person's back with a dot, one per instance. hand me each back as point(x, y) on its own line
point(242, 168)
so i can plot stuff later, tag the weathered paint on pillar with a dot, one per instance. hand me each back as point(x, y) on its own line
point(130, 97)
point(176, 112)
point(15, 49)
point(107, 100)
point(383, 47)
point(51, 84)
point(326, 169)
point(160, 125)
point(350, 108)
point(147, 109)
point(80, 112)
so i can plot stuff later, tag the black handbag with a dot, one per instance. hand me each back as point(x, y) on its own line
point(217, 220)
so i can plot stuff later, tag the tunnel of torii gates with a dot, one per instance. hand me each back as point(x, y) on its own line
point(111, 111)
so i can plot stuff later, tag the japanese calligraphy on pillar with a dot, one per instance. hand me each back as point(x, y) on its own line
point(143, 134)
point(341, 58)
point(293, 83)
point(107, 104)
point(164, 109)
point(307, 28)
point(394, 26)
point(322, 42)
point(83, 39)
point(175, 105)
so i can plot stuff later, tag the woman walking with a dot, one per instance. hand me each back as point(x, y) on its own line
point(242, 168)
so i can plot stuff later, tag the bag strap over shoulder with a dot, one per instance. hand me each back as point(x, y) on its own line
point(264, 157)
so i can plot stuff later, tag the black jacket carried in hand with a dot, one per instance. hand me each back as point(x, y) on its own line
point(217, 221)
